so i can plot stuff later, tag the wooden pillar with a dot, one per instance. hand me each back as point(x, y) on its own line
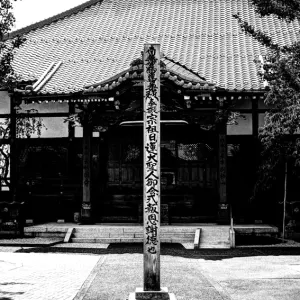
point(13, 148)
point(72, 145)
point(223, 210)
point(86, 207)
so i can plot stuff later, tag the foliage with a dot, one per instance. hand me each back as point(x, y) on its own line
point(7, 46)
point(282, 122)
point(283, 9)
point(281, 70)
point(25, 126)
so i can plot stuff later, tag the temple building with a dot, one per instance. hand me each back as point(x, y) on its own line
point(75, 144)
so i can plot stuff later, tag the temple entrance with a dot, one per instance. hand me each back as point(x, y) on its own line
point(188, 179)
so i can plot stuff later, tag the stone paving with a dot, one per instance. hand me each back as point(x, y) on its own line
point(254, 278)
point(30, 241)
point(242, 278)
point(121, 274)
point(36, 276)
point(240, 274)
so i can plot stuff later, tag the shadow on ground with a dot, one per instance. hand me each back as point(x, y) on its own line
point(242, 240)
point(171, 250)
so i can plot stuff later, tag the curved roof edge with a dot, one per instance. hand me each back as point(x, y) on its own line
point(190, 80)
point(50, 20)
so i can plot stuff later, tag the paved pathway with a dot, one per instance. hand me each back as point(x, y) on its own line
point(256, 277)
point(112, 275)
point(217, 278)
point(121, 274)
point(36, 276)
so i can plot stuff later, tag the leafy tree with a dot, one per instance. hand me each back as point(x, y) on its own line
point(25, 127)
point(8, 81)
point(7, 46)
point(281, 70)
point(283, 9)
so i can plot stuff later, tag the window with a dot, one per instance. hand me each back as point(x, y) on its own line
point(194, 152)
point(51, 127)
point(78, 132)
point(4, 102)
point(243, 126)
point(261, 120)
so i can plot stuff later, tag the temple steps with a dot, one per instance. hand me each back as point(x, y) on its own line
point(198, 236)
point(211, 237)
point(130, 235)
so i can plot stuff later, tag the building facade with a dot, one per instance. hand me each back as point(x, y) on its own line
point(75, 143)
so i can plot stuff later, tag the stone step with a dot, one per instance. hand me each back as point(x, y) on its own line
point(214, 238)
point(41, 231)
point(127, 240)
point(132, 230)
point(215, 246)
point(45, 234)
point(128, 235)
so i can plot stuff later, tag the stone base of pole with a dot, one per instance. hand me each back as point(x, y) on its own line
point(163, 294)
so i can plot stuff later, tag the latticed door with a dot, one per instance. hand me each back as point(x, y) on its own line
point(124, 178)
point(188, 177)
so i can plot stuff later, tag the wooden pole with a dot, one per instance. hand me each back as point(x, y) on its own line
point(151, 167)
point(86, 216)
point(284, 201)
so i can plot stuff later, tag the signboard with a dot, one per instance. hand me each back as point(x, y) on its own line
point(151, 167)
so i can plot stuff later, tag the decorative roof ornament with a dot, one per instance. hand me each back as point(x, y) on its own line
point(170, 70)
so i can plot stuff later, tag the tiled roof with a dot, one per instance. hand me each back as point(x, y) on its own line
point(99, 39)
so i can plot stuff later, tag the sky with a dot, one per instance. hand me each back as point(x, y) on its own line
point(27, 12)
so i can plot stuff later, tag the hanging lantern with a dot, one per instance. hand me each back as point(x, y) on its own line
point(117, 104)
point(188, 101)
